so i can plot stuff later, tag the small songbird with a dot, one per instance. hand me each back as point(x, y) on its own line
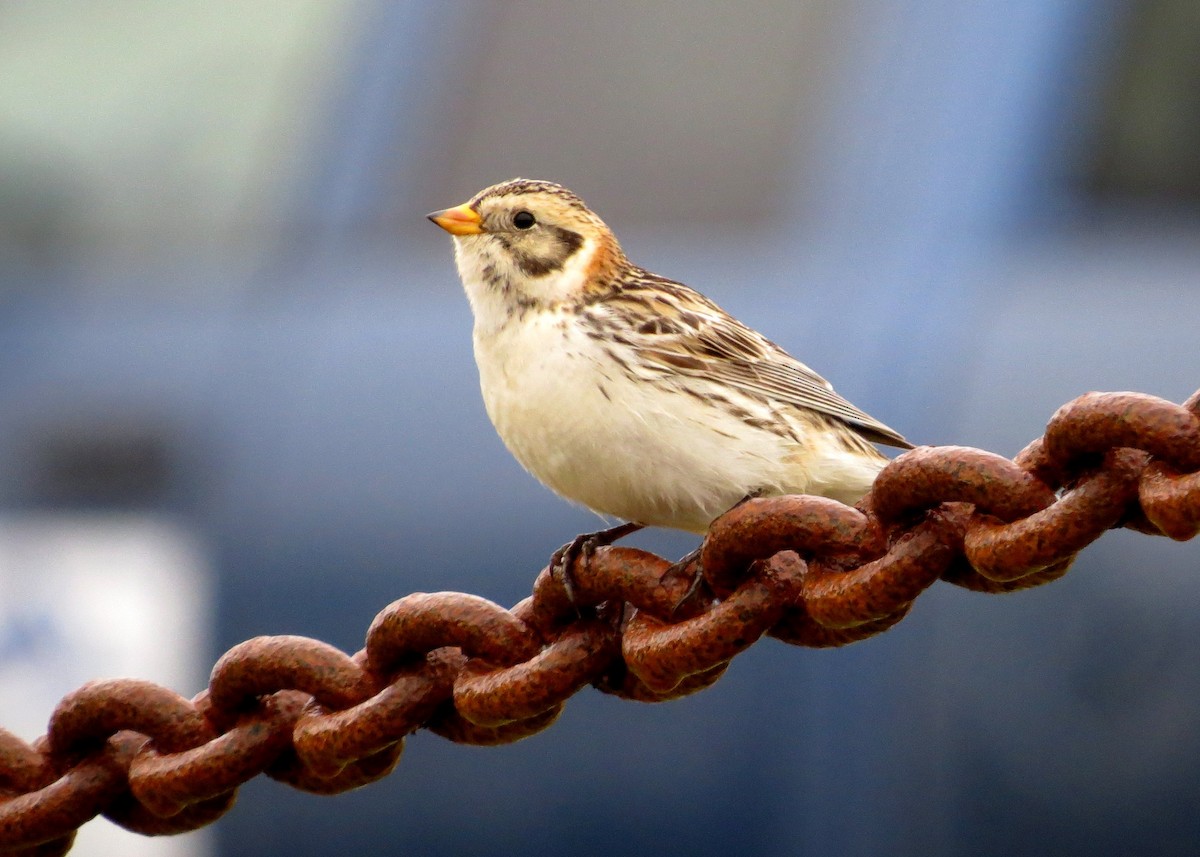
point(633, 394)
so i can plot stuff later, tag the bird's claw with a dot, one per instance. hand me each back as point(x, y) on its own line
point(574, 556)
point(563, 561)
point(679, 569)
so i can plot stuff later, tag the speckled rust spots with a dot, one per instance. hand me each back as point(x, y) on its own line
point(928, 476)
point(798, 628)
point(488, 696)
point(1171, 500)
point(166, 783)
point(884, 587)
point(49, 812)
point(762, 527)
point(326, 741)
point(1097, 422)
point(663, 655)
point(452, 726)
point(85, 718)
point(1007, 552)
point(266, 664)
point(424, 621)
point(807, 571)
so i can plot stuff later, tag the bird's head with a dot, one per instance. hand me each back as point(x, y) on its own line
point(529, 244)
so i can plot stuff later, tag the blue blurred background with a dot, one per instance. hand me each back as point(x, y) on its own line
point(220, 304)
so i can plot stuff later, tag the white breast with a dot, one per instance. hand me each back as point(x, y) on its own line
point(618, 445)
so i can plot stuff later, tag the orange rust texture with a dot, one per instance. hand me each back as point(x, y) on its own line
point(804, 570)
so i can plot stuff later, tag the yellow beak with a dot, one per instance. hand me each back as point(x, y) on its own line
point(460, 220)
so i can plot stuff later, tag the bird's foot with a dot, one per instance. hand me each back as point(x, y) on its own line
point(574, 556)
point(680, 569)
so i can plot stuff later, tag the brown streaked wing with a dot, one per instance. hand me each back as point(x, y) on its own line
point(695, 337)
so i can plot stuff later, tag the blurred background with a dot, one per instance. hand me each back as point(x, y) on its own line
point(237, 390)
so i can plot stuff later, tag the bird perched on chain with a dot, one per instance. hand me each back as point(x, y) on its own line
point(633, 394)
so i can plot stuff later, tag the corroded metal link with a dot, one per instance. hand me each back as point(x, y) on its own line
point(1009, 551)
point(623, 683)
point(88, 716)
point(79, 794)
point(761, 527)
point(423, 621)
point(1097, 422)
point(452, 726)
point(962, 574)
point(798, 628)
point(807, 571)
point(24, 774)
point(928, 476)
point(488, 696)
point(263, 665)
point(130, 813)
point(167, 783)
point(877, 589)
point(26, 767)
point(662, 655)
point(327, 741)
point(291, 769)
point(1170, 500)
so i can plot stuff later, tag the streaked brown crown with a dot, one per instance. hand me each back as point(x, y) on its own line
point(520, 187)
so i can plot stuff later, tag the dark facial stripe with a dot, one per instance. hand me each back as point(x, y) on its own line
point(564, 245)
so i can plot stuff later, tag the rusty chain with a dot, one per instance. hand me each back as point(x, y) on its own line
point(805, 570)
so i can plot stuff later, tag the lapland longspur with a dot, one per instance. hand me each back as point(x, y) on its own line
point(631, 393)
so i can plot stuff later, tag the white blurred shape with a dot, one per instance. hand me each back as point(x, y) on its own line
point(100, 596)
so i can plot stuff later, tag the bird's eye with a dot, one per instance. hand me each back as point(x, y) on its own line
point(524, 220)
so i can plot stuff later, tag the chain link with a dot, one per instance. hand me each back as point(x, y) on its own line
point(805, 570)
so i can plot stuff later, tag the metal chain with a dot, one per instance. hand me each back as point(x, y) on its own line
point(805, 570)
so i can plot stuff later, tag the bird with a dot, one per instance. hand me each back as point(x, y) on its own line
point(633, 394)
